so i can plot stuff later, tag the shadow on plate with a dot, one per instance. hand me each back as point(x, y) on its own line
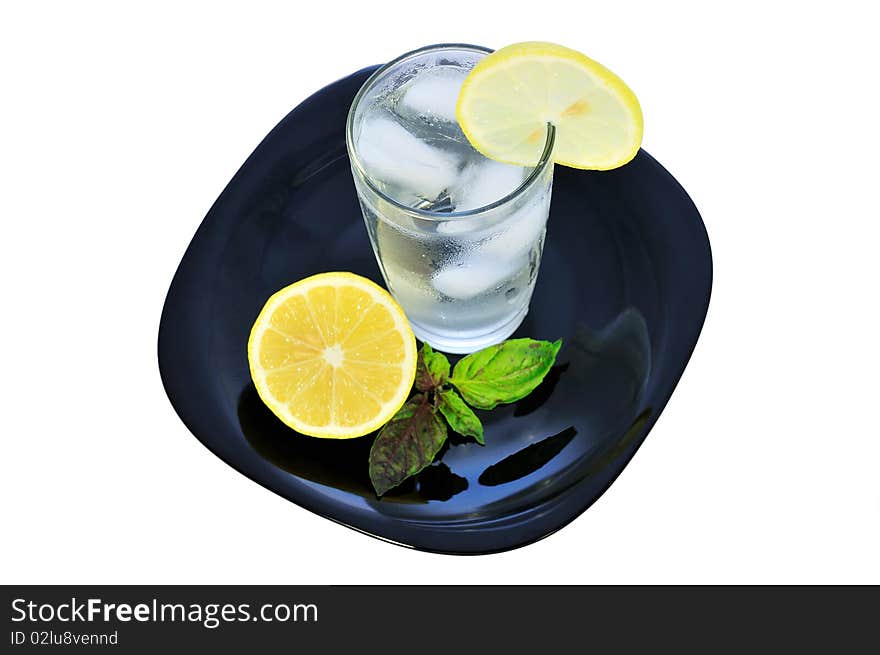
point(526, 461)
point(341, 464)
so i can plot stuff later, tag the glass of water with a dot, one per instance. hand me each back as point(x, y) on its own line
point(458, 236)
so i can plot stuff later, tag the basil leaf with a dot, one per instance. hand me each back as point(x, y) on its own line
point(460, 417)
point(432, 369)
point(407, 444)
point(504, 373)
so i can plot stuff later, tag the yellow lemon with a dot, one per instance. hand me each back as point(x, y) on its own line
point(509, 97)
point(333, 356)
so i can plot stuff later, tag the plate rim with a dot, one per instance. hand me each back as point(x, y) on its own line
point(309, 501)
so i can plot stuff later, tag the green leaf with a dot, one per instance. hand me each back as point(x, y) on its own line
point(460, 417)
point(504, 373)
point(407, 444)
point(432, 369)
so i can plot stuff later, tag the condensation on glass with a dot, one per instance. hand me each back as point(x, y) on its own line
point(458, 237)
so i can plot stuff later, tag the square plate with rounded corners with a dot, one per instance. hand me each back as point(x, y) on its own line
point(625, 282)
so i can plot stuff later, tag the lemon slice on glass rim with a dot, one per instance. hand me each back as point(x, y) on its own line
point(332, 356)
point(511, 95)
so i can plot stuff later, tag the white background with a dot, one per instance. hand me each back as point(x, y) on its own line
point(118, 129)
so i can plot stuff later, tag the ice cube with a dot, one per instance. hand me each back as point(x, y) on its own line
point(518, 231)
point(435, 93)
point(478, 185)
point(394, 156)
point(467, 279)
point(484, 182)
point(524, 227)
point(455, 225)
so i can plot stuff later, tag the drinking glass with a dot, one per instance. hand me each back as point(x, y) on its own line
point(459, 250)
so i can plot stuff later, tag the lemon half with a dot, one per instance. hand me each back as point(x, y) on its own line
point(332, 356)
point(509, 97)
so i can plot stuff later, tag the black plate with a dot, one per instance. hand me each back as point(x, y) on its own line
point(625, 282)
